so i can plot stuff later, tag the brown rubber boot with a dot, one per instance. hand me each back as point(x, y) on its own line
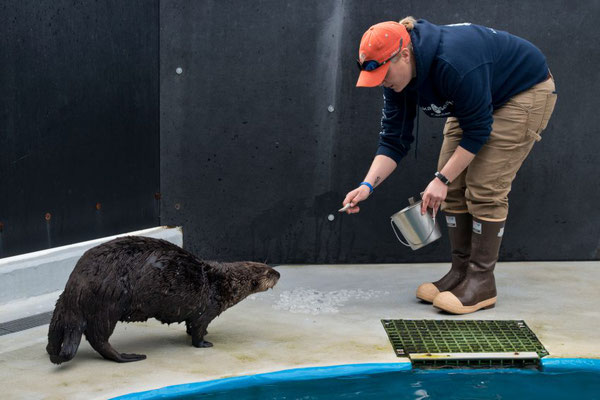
point(478, 289)
point(459, 231)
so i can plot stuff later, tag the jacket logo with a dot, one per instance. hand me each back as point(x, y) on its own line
point(438, 111)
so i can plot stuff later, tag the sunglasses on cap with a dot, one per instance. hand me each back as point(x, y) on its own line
point(371, 65)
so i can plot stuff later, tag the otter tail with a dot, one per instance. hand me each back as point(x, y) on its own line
point(64, 334)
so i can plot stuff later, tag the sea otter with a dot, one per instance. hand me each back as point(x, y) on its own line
point(134, 278)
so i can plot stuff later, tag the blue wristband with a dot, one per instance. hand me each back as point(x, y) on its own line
point(367, 184)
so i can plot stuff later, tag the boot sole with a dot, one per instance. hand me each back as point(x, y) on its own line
point(451, 308)
point(426, 296)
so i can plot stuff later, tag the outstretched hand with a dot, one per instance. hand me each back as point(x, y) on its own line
point(354, 197)
point(433, 196)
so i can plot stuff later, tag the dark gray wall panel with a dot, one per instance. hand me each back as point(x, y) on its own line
point(78, 121)
point(252, 161)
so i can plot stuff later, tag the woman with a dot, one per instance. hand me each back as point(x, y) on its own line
point(497, 94)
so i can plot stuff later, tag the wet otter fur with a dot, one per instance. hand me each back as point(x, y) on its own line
point(134, 278)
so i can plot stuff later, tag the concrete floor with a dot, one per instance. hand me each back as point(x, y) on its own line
point(315, 316)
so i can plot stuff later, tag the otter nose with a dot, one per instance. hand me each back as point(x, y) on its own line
point(274, 273)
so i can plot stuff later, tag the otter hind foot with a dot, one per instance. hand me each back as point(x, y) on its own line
point(124, 357)
point(109, 353)
point(201, 343)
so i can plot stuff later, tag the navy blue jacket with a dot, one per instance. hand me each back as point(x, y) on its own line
point(463, 70)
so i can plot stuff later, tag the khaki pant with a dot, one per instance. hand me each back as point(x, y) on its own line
point(482, 189)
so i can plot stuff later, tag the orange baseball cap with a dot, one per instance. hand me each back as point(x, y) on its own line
point(378, 45)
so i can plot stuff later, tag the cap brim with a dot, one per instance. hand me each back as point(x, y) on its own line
point(373, 78)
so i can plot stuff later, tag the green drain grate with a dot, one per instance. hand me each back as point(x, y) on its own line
point(465, 343)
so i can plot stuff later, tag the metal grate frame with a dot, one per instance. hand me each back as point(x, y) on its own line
point(25, 323)
point(451, 343)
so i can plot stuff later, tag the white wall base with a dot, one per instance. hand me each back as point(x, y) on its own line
point(46, 271)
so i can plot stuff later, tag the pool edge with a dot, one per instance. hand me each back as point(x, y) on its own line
point(295, 374)
point(335, 371)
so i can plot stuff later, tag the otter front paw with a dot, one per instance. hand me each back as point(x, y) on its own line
point(201, 343)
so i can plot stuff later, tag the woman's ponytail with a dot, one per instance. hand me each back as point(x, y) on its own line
point(408, 22)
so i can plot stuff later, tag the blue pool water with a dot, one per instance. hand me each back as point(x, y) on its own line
point(356, 383)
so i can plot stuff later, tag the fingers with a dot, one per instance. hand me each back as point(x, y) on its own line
point(430, 201)
point(357, 198)
point(348, 198)
point(435, 208)
point(425, 203)
point(353, 201)
point(353, 198)
point(353, 210)
point(348, 203)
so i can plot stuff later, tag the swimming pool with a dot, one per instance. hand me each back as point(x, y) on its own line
point(560, 379)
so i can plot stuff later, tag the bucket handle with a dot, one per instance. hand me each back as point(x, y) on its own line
point(409, 242)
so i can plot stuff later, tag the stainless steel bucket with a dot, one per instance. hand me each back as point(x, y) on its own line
point(418, 230)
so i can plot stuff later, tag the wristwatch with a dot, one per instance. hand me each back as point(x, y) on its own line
point(442, 178)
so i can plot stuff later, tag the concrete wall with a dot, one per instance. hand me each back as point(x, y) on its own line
point(78, 121)
point(252, 161)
